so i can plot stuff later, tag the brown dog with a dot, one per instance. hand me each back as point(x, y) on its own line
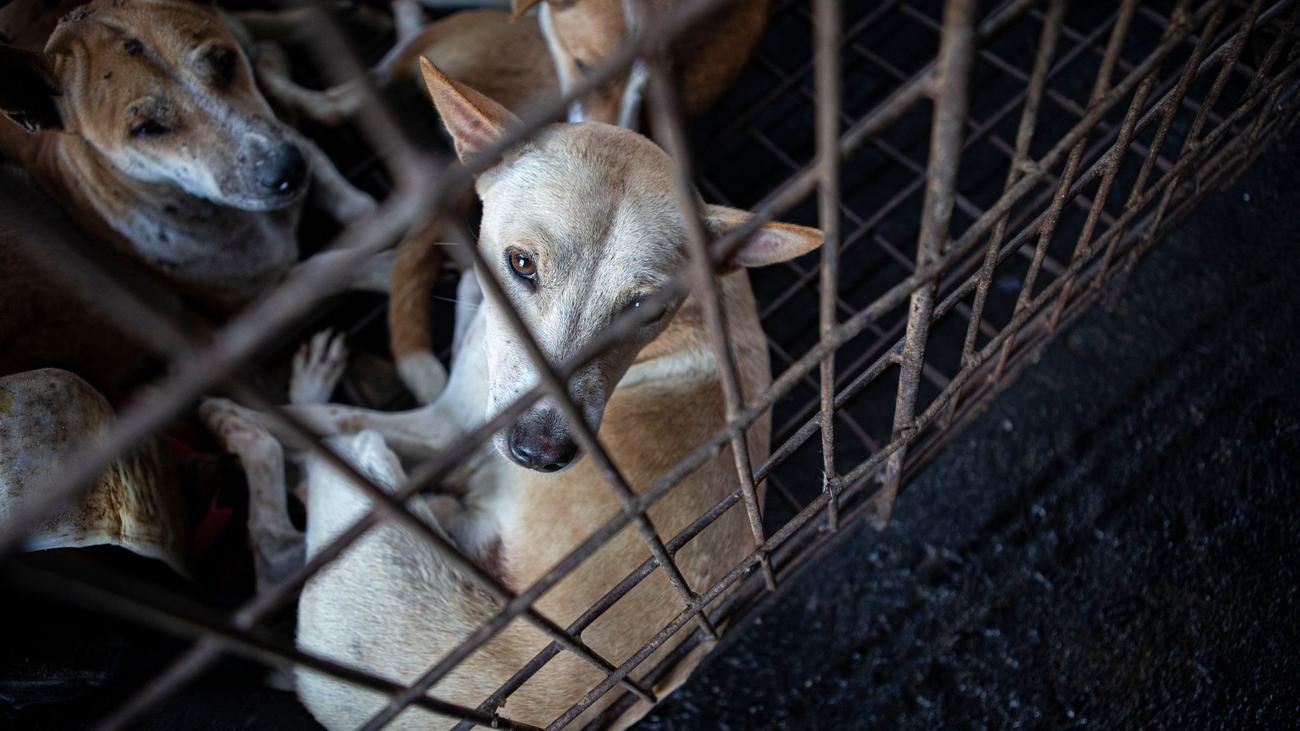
point(141, 118)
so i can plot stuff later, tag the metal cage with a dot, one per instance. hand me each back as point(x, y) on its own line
point(982, 174)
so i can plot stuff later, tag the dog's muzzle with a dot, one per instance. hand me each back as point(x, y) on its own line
point(542, 444)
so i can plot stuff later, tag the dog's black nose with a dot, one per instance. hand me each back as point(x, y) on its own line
point(282, 171)
point(539, 451)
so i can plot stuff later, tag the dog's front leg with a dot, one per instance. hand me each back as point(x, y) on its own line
point(330, 190)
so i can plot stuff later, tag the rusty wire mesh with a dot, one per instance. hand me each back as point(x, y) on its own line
point(983, 174)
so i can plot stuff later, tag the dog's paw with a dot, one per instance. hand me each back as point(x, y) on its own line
point(237, 429)
point(317, 367)
point(423, 374)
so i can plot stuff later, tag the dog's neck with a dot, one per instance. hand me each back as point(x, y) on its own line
point(200, 245)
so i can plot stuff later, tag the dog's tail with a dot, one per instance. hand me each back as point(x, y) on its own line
point(410, 322)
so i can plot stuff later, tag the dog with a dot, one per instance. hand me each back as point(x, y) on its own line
point(581, 34)
point(550, 52)
point(580, 224)
point(46, 415)
point(142, 119)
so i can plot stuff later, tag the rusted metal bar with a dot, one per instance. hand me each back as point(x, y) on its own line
point(1285, 35)
point(1170, 109)
point(826, 27)
point(1024, 136)
point(671, 134)
point(1193, 146)
point(977, 132)
point(951, 95)
point(1112, 167)
point(1048, 229)
point(1190, 141)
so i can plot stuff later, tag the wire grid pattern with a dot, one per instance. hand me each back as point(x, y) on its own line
point(981, 173)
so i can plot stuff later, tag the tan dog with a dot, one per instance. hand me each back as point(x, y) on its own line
point(580, 225)
point(582, 34)
point(518, 63)
point(141, 118)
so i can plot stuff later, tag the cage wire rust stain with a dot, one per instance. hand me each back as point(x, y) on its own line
point(1103, 125)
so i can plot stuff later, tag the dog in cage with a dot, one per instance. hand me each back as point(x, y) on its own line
point(580, 225)
point(142, 119)
point(551, 51)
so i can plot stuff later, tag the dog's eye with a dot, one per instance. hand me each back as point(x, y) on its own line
point(639, 303)
point(223, 63)
point(522, 265)
point(581, 66)
point(148, 128)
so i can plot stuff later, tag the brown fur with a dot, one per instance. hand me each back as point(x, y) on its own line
point(705, 61)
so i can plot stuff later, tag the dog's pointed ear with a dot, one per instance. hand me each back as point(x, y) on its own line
point(474, 121)
point(770, 244)
point(29, 89)
point(519, 7)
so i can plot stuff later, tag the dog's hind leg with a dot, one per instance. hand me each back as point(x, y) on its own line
point(391, 603)
point(277, 545)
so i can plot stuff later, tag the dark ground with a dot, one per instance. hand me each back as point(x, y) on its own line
point(1112, 545)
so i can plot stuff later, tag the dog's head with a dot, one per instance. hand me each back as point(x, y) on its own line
point(581, 225)
point(581, 34)
point(163, 92)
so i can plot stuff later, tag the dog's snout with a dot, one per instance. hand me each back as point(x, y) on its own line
point(541, 448)
point(281, 171)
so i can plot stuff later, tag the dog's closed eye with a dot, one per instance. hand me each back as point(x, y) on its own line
point(148, 128)
point(222, 64)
